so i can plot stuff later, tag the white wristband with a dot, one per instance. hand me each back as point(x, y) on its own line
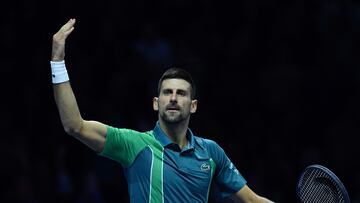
point(59, 72)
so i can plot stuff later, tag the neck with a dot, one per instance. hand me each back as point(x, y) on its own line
point(176, 132)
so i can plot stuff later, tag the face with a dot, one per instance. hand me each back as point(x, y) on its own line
point(174, 103)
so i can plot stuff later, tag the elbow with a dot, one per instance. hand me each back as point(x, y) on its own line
point(73, 130)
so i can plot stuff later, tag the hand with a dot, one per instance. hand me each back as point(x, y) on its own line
point(58, 43)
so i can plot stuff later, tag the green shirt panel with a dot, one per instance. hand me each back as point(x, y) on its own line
point(123, 145)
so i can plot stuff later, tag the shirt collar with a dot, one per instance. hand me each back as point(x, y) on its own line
point(161, 136)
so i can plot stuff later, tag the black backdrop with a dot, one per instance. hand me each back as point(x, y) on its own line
point(278, 88)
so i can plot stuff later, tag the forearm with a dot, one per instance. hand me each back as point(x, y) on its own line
point(246, 195)
point(64, 96)
point(68, 108)
point(91, 133)
point(264, 200)
point(255, 200)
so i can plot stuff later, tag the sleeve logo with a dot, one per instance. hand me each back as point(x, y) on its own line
point(233, 168)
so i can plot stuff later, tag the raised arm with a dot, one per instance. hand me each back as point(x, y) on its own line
point(92, 133)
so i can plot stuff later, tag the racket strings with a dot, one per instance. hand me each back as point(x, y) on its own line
point(318, 186)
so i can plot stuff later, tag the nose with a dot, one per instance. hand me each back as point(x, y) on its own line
point(173, 98)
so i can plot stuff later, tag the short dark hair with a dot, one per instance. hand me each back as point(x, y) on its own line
point(178, 73)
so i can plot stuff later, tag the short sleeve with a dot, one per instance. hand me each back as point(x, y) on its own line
point(227, 178)
point(123, 145)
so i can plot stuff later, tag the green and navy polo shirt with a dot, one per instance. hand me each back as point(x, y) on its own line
point(158, 171)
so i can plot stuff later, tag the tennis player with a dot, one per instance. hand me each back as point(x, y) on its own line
point(166, 164)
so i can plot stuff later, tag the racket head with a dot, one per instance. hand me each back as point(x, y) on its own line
point(319, 184)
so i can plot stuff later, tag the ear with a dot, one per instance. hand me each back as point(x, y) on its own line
point(193, 106)
point(156, 104)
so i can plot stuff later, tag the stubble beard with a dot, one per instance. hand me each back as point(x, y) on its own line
point(173, 118)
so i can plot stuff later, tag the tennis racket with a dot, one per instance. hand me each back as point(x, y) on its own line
point(317, 184)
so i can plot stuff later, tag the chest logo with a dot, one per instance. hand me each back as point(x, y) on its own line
point(205, 167)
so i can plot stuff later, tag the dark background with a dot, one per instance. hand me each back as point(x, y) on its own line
point(278, 88)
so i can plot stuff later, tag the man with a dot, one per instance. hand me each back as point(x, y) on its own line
point(166, 164)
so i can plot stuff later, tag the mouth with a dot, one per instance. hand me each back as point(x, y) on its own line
point(173, 108)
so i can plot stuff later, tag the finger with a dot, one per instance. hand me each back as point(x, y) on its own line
point(69, 25)
point(69, 31)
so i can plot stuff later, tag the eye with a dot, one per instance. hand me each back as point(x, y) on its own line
point(182, 92)
point(167, 91)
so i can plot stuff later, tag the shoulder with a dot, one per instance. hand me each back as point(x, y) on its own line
point(128, 134)
point(210, 145)
point(121, 131)
point(205, 141)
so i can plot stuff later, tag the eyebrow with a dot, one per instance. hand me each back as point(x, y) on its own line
point(182, 91)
